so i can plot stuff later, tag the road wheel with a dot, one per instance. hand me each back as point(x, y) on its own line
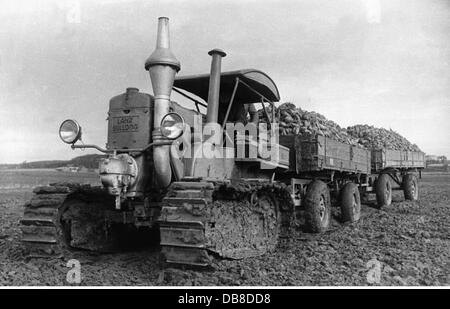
point(317, 207)
point(383, 190)
point(410, 187)
point(350, 203)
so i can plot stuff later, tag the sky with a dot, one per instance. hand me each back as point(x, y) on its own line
point(378, 62)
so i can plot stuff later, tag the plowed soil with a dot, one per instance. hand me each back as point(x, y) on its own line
point(407, 243)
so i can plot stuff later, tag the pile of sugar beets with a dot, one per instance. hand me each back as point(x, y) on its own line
point(294, 120)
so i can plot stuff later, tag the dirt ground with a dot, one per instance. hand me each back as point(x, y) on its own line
point(407, 243)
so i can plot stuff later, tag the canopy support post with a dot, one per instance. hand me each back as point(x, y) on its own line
point(236, 84)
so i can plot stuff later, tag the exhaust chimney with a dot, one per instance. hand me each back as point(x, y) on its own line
point(162, 66)
point(214, 85)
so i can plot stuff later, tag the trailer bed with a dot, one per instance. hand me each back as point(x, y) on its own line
point(398, 159)
point(313, 153)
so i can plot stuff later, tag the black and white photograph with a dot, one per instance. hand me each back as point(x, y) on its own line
point(225, 144)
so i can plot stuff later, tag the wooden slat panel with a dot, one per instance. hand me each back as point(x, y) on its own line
point(321, 153)
point(385, 158)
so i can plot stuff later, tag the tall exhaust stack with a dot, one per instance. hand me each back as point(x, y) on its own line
point(162, 66)
point(214, 85)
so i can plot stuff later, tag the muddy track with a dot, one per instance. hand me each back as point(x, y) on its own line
point(64, 214)
point(233, 221)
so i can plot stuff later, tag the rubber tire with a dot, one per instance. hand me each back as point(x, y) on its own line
point(313, 222)
point(410, 186)
point(350, 194)
point(382, 183)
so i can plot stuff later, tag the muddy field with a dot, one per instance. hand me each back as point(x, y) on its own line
point(407, 243)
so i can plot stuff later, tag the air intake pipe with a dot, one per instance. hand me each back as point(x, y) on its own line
point(162, 66)
point(214, 85)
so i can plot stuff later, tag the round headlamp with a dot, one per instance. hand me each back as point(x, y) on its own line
point(70, 131)
point(172, 126)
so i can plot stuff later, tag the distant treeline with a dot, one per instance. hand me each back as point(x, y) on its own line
point(88, 161)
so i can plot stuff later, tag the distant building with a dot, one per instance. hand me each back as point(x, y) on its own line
point(436, 163)
point(431, 158)
point(73, 169)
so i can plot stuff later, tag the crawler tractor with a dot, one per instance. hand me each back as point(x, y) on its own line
point(201, 206)
point(208, 184)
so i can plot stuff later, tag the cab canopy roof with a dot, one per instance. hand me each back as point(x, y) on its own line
point(259, 81)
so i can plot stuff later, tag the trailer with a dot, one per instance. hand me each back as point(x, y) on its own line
point(394, 170)
point(324, 172)
point(343, 174)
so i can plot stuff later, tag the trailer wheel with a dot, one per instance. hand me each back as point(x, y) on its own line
point(317, 207)
point(350, 203)
point(383, 191)
point(410, 187)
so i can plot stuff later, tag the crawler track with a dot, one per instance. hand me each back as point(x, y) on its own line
point(233, 221)
point(63, 215)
